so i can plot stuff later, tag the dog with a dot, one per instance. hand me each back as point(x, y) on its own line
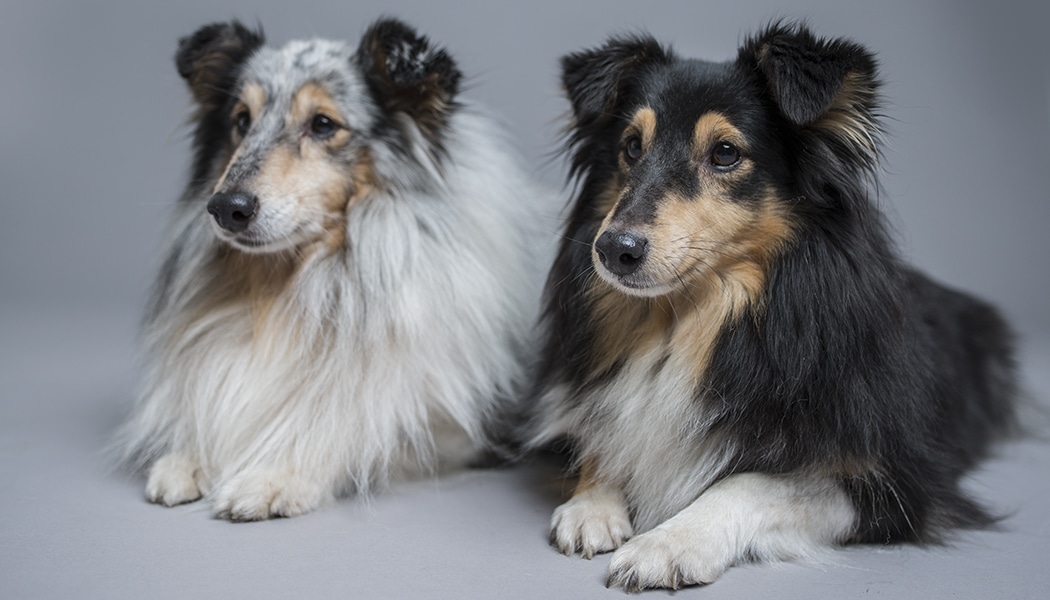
point(351, 285)
point(743, 365)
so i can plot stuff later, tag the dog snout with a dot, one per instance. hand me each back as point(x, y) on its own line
point(621, 252)
point(233, 211)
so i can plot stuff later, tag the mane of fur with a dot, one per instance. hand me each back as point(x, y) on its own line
point(386, 355)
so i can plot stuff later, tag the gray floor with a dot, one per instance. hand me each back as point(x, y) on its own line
point(71, 529)
point(92, 157)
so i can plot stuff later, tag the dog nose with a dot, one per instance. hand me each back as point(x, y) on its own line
point(233, 211)
point(621, 252)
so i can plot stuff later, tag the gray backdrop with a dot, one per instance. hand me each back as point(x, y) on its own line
point(93, 154)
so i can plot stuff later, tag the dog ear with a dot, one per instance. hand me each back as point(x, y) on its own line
point(596, 80)
point(809, 77)
point(408, 74)
point(829, 87)
point(209, 60)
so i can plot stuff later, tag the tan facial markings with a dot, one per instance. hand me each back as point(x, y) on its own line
point(707, 259)
point(713, 128)
point(707, 240)
point(304, 172)
point(716, 257)
point(306, 180)
point(642, 125)
point(310, 101)
point(251, 101)
point(253, 96)
point(690, 239)
point(302, 181)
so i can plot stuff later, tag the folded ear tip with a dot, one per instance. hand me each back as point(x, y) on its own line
point(805, 73)
point(210, 56)
point(593, 77)
point(386, 32)
point(392, 46)
point(408, 74)
point(232, 34)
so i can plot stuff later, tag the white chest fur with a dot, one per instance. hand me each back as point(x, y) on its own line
point(647, 433)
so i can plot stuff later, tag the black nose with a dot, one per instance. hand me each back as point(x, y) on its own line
point(233, 211)
point(621, 252)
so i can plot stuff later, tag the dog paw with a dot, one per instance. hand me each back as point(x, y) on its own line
point(174, 479)
point(665, 558)
point(261, 495)
point(592, 522)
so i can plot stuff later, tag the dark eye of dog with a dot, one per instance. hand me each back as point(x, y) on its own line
point(725, 154)
point(244, 121)
point(632, 149)
point(322, 127)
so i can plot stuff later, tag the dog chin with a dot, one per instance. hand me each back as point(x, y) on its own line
point(634, 286)
point(251, 243)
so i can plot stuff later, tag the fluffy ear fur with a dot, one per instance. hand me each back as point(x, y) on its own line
point(807, 75)
point(408, 74)
point(827, 86)
point(209, 60)
point(595, 80)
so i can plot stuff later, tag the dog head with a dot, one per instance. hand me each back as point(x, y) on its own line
point(698, 171)
point(286, 138)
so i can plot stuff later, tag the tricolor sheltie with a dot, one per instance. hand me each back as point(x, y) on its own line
point(349, 290)
point(746, 368)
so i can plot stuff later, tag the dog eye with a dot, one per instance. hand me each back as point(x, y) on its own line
point(322, 127)
point(725, 155)
point(632, 149)
point(243, 121)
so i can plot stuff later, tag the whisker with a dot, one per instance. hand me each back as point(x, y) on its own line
point(576, 241)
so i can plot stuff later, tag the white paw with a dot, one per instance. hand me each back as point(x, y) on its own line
point(592, 522)
point(667, 558)
point(174, 479)
point(259, 495)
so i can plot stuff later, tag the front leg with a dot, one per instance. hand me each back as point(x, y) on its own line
point(594, 520)
point(745, 515)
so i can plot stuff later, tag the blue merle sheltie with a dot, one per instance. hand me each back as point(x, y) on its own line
point(350, 285)
point(745, 367)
